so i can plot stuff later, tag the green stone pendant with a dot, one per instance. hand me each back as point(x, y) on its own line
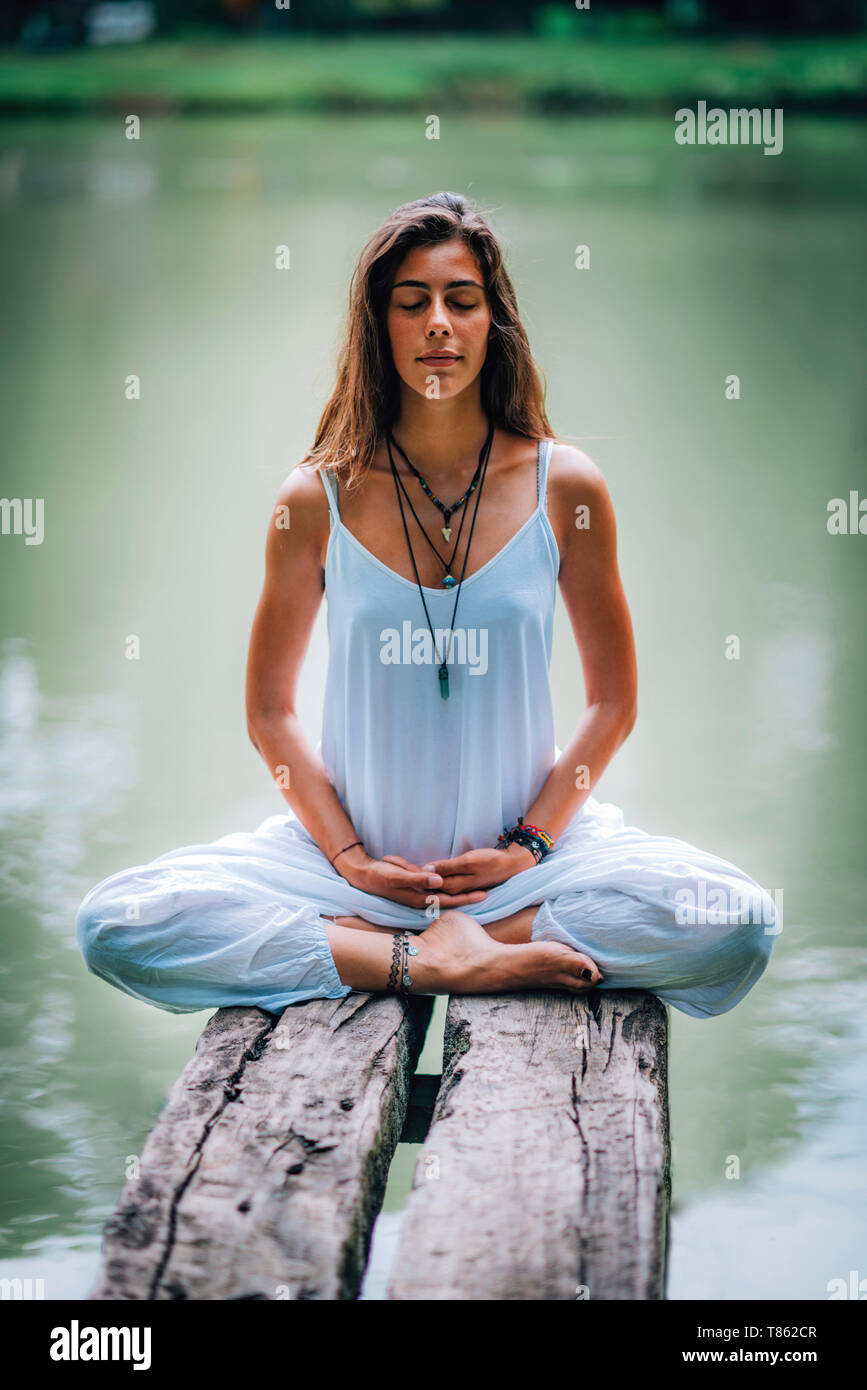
point(449, 582)
point(444, 681)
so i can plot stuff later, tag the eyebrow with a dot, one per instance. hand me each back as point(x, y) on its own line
point(423, 284)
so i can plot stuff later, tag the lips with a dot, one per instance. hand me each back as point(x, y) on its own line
point(439, 359)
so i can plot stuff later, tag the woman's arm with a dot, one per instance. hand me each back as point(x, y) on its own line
point(596, 604)
point(593, 596)
point(287, 608)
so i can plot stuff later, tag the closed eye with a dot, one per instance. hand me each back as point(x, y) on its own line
point(421, 303)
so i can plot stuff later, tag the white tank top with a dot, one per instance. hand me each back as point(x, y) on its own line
point(420, 776)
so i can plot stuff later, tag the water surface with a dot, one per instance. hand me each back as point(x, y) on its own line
point(157, 259)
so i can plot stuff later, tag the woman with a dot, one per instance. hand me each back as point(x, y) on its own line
point(438, 841)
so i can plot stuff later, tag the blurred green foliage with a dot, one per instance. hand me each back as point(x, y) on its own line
point(614, 19)
point(405, 73)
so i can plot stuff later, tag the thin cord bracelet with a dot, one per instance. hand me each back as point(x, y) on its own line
point(345, 848)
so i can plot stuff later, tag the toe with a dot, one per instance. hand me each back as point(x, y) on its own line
point(586, 969)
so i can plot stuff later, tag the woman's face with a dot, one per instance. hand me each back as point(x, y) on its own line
point(438, 319)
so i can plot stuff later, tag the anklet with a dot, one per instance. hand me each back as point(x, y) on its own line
point(393, 973)
point(399, 978)
point(407, 951)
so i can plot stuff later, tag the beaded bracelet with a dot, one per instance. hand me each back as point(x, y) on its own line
point(531, 837)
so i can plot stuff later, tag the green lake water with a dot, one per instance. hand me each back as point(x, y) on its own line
point(156, 258)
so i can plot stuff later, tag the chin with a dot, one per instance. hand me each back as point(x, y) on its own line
point(451, 382)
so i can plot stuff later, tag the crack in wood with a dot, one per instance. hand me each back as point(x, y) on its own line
point(377, 1056)
point(456, 1045)
point(593, 999)
point(613, 1039)
point(231, 1090)
point(354, 1006)
point(310, 1146)
point(575, 1117)
point(636, 1204)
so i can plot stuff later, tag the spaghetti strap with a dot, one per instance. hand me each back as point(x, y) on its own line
point(331, 492)
point(545, 449)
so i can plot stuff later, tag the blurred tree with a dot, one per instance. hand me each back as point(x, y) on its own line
point(767, 16)
point(608, 18)
point(610, 15)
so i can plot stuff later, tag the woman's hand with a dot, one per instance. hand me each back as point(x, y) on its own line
point(481, 868)
point(396, 878)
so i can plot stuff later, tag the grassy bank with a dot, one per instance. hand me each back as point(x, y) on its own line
point(438, 74)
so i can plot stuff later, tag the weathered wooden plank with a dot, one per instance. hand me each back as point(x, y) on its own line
point(267, 1166)
point(545, 1174)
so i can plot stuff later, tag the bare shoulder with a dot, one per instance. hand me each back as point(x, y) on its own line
point(578, 496)
point(304, 493)
point(299, 522)
point(572, 472)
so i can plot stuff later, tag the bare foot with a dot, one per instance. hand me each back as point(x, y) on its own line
point(456, 955)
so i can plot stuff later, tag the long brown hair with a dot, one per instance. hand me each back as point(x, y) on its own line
point(365, 400)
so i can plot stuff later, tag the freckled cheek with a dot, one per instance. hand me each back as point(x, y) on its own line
point(475, 345)
point(403, 345)
point(475, 334)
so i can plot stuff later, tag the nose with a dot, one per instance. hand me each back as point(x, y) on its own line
point(438, 321)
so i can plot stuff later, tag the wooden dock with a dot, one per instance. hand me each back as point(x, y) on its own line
point(544, 1171)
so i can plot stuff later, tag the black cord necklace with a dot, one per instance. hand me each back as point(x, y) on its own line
point(449, 580)
point(448, 512)
point(443, 670)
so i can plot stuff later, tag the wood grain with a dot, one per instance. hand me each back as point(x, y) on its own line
point(545, 1174)
point(266, 1169)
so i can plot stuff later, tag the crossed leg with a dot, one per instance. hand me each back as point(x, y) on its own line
point(456, 955)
